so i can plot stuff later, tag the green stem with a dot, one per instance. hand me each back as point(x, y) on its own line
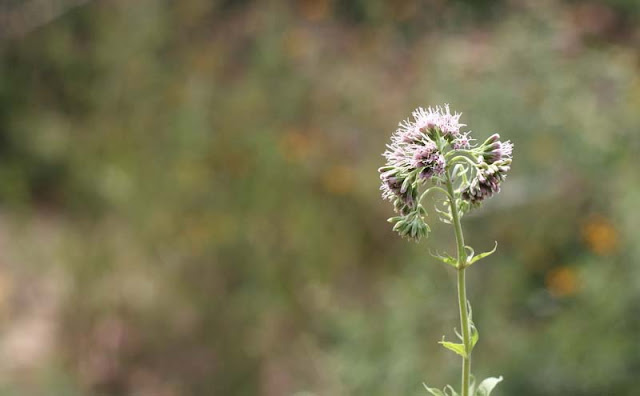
point(434, 188)
point(462, 292)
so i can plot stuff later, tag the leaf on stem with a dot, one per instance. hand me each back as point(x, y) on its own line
point(486, 386)
point(472, 384)
point(449, 391)
point(475, 336)
point(481, 255)
point(446, 391)
point(445, 216)
point(455, 347)
point(447, 259)
point(433, 391)
point(470, 253)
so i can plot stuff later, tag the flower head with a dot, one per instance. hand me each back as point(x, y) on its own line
point(439, 117)
point(498, 150)
point(462, 142)
point(395, 188)
point(484, 185)
point(494, 162)
point(430, 148)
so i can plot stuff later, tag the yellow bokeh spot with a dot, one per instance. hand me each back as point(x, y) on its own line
point(562, 281)
point(338, 179)
point(295, 146)
point(600, 235)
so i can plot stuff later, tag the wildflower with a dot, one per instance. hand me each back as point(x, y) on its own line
point(391, 185)
point(484, 185)
point(430, 148)
point(497, 151)
point(462, 142)
point(429, 160)
point(408, 132)
point(438, 117)
point(398, 190)
point(419, 153)
point(493, 164)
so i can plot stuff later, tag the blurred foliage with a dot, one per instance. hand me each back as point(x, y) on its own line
point(191, 187)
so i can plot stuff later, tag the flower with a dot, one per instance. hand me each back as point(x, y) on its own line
point(412, 146)
point(462, 142)
point(399, 189)
point(438, 117)
point(497, 151)
point(487, 181)
point(422, 149)
point(494, 162)
point(413, 157)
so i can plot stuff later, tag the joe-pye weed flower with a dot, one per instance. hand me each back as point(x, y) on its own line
point(429, 154)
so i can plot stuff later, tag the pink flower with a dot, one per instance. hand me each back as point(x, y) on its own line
point(438, 117)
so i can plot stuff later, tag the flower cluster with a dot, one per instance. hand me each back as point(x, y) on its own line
point(425, 149)
point(493, 165)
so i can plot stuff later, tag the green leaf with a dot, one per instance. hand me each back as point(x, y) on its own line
point(458, 170)
point(458, 334)
point(433, 391)
point(405, 185)
point(474, 335)
point(400, 225)
point(472, 384)
point(422, 210)
point(486, 386)
point(457, 348)
point(481, 255)
point(445, 216)
point(447, 259)
point(470, 253)
point(450, 389)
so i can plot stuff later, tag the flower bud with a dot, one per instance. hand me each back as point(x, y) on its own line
point(493, 138)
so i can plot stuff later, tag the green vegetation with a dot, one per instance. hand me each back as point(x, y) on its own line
point(189, 198)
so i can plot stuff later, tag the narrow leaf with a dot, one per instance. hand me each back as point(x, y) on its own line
point(449, 391)
point(475, 336)
point(472, 384)
point(405, 185)
point(455, 347)
point(482, 255)
point(458, 334)
point(470, 253)
point(447, 259)
point(486, 386)
point(456, 169)
point(433, 391)
point(399, 225)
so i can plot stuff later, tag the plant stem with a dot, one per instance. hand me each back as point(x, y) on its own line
point(462, 292)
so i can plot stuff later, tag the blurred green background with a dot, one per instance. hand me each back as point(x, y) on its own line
point(189, 196)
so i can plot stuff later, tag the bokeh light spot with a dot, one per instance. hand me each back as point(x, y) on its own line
point(562, 281)
point(600, 236)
